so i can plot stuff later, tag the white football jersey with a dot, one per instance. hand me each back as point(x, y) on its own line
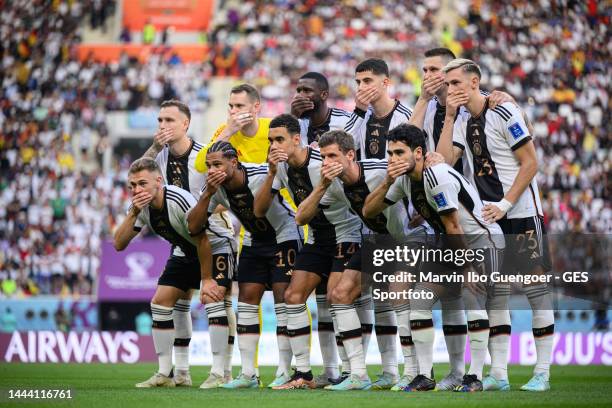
point(279, 223)
point(336, 119)
point(170, 222)
point(446, 190)
point(332, 225)
point(370, 132)
point(434, 122)
point(180, 172)
point(394, 220)
point(488, 142)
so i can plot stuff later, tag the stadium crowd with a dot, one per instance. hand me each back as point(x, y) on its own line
point(55, 203)
point(56, 206)
point(287, 39)
point(555, 61)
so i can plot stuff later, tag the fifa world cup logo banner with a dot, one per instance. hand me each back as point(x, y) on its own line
point(132, 274)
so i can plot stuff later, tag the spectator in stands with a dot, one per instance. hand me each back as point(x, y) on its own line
point(125, 36)
point(148, 33)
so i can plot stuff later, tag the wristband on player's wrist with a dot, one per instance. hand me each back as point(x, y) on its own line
point(360, 112)
point(504, 205)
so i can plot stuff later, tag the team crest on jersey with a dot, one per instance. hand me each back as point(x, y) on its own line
point(516, 130)
point(374, 146)
point(440, 200)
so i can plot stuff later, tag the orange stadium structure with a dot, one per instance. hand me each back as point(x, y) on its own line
point(182, 15)
point(111, 52)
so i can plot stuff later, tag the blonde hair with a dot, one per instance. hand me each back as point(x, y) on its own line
point(467, 66)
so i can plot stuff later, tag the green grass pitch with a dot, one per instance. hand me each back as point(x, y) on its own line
point(112, 385)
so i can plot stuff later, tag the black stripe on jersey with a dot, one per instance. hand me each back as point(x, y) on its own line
point(251, 170)
point(388, 202)
point(535, 202)
point(504, 109)
point(433, 175)
point(178, 199)
point(484, 93)
point(282, 201)
point(459, 145)
point(403, 107)
point(370, 163)
point(464, 197)
point(196, 146)
point(339, 112)
point(178, 202)
point(427, 178)
point(432, 183)
point(374, 166)
point(431, 180)
point(351, 122)
point(521, 143)
point(178, 196)
point(256, 173)
point(501, 113)
point(405, 110)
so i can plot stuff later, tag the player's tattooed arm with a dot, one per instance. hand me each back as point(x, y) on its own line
point(527, 122)
point(161, 138)
point(310, 206)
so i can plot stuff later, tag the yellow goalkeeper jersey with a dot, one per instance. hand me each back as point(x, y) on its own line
point(251, 149)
